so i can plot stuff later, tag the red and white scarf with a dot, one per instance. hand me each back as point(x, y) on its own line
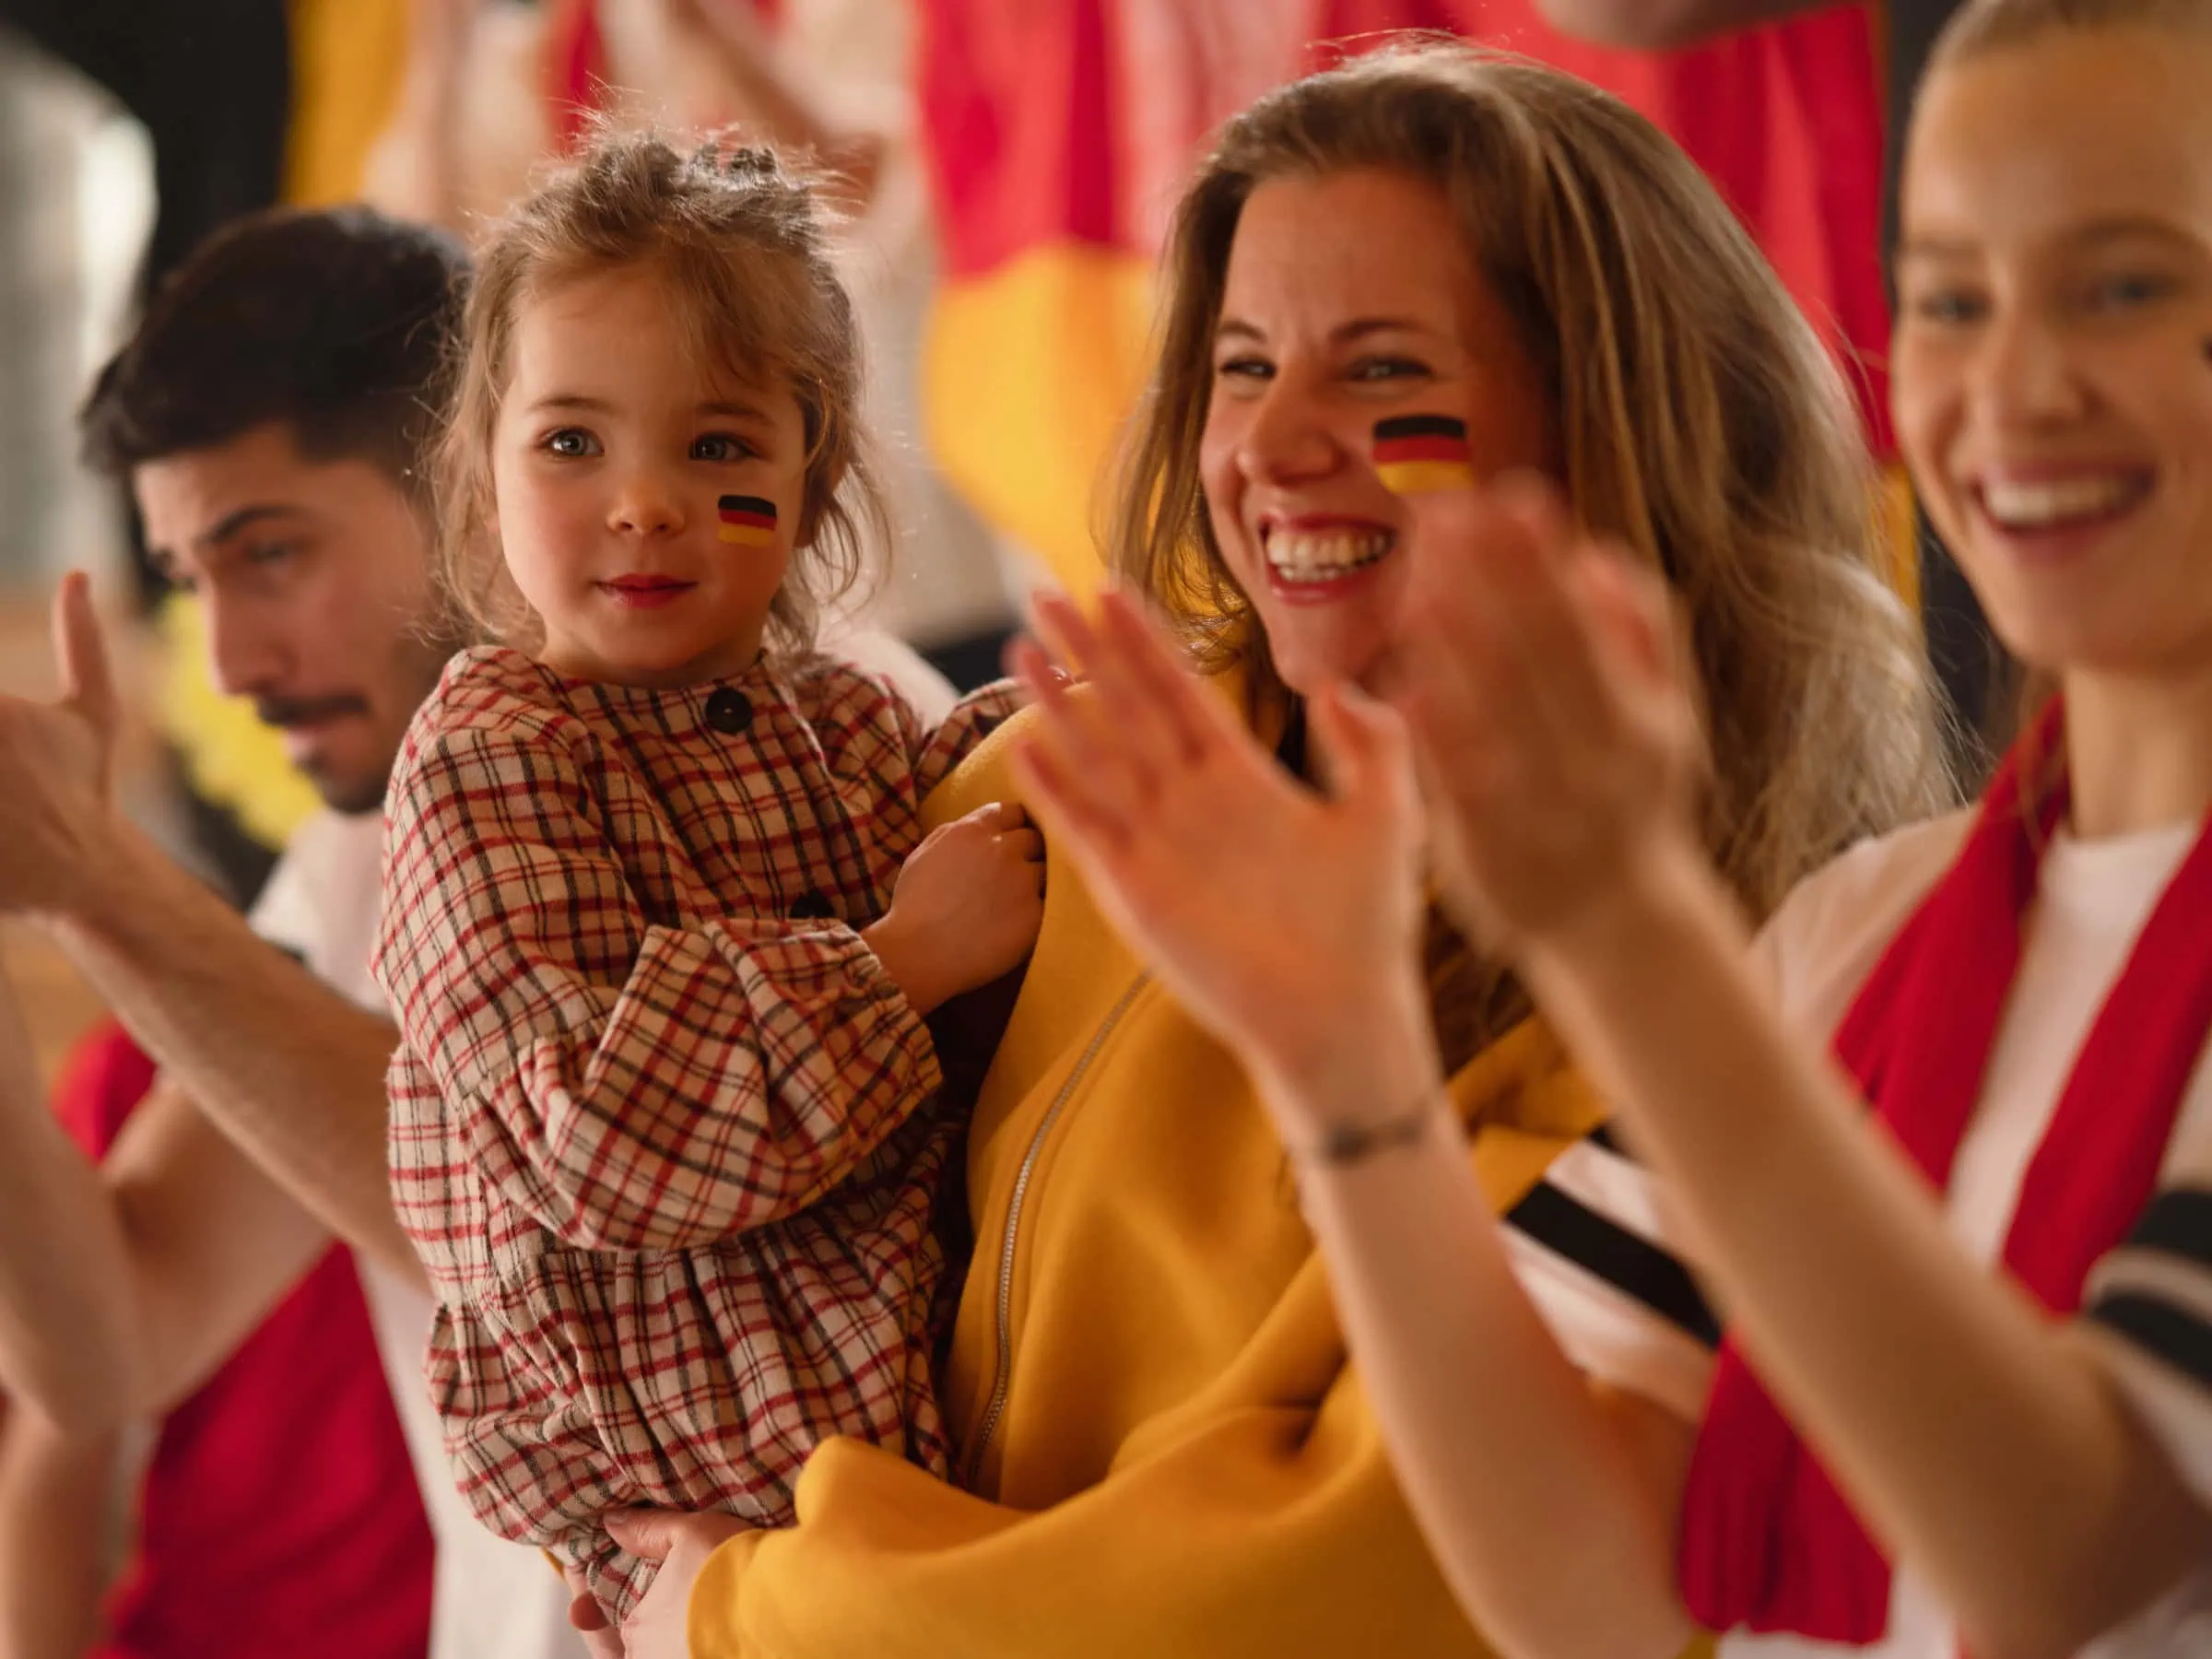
point(1768, 1543)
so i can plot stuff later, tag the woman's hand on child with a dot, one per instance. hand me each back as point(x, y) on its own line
point(966, 907)
point(601, 1640)
point(1556, 738)
point(1284, 920)
point(657, 1627)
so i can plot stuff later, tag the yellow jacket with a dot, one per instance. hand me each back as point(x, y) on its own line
point(1168, 1454)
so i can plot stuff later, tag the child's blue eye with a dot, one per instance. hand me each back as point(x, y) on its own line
point(720, 446)
point(571, 442)
point(2125, 290)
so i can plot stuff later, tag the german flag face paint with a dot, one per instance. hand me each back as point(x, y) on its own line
point(747, 520)
point(1417, 453)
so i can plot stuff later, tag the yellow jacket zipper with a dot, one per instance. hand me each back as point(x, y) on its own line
point(997, 1405)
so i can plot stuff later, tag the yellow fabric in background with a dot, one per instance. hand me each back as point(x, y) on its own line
point(1899, 536)
point(229, 757)
point(347, 59)
point(1059, 335)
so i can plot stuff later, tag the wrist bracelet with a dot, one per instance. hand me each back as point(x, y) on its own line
point(1342, 1144)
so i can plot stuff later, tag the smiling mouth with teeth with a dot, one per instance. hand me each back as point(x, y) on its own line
point(2056, 503)
point(1325, 555)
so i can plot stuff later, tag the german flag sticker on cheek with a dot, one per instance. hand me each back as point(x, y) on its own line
point(1417, 453)
point(748, 521)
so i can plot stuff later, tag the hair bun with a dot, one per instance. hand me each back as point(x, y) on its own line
point(744, 163)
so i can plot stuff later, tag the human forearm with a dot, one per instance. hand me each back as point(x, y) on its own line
point(57, 1516)
point(1979, 1445)
point(283, 1064)
point(1501, 1445)
point(65, 1316)
point(413, 167)
point(731, 41)
point(1664, 25)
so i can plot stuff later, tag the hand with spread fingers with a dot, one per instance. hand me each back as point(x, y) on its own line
point(1284, 919)
point(1556, 733)
point(54, 768)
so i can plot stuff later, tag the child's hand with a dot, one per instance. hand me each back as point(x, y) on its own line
point(966, 906)
point(1285, 922)
point(1557, 734)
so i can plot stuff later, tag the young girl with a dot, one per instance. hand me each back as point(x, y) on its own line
point(657, 927)
point(1907, 1444)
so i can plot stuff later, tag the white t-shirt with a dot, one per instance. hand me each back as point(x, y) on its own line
point(1594, 1245)
point(492, 1599)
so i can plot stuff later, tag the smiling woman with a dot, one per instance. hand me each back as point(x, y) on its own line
point(1164, 1450)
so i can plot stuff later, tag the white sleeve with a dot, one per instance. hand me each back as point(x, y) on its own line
point(1592, 1243)
point(319, 905)
point(1591, 1246)
point(283, 914)
point(2149, 1309)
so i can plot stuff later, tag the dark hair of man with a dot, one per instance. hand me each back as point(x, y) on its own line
point(333, 322)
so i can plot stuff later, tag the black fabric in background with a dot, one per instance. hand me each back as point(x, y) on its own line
point(1967, 659)
point(211, 80)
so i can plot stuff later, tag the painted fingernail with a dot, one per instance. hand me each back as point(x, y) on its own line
point(747, 521)
point(1418, 452)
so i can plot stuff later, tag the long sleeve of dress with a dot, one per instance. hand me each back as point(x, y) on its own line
point(628, 1085)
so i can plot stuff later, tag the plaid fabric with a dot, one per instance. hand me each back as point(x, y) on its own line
point(661, 1123)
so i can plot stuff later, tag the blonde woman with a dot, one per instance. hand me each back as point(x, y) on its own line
point(1161, 1448)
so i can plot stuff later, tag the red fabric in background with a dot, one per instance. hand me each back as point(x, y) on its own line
point(280, 1515)
point(1027, 107)
point(1785, 120)
point(1018, 105)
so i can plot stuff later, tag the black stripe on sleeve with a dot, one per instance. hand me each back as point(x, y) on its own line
point(2160, 1328)
point(1550, 1217)
point(2178, 1223)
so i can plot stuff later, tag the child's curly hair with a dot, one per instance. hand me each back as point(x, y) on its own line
point(744, 251)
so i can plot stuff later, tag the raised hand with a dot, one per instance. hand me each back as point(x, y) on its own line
point(1556, 730)
point(55, 763)
point(1281, 918)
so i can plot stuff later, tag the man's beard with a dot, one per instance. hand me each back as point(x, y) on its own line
point(419, 657)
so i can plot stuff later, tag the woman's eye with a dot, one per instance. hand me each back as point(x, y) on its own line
point(721, 446)
point(2124, 290)
point(1244, 368)
point(1947, 306)
point(1385, 367)
point(572, 442)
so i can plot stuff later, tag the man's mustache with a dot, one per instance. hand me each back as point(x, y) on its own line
point(282, 711)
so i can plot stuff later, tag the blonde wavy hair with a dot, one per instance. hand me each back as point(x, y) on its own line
point(1701, 424)
point(742, 248)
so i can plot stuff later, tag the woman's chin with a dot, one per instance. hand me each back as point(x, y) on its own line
point(1307, 664)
